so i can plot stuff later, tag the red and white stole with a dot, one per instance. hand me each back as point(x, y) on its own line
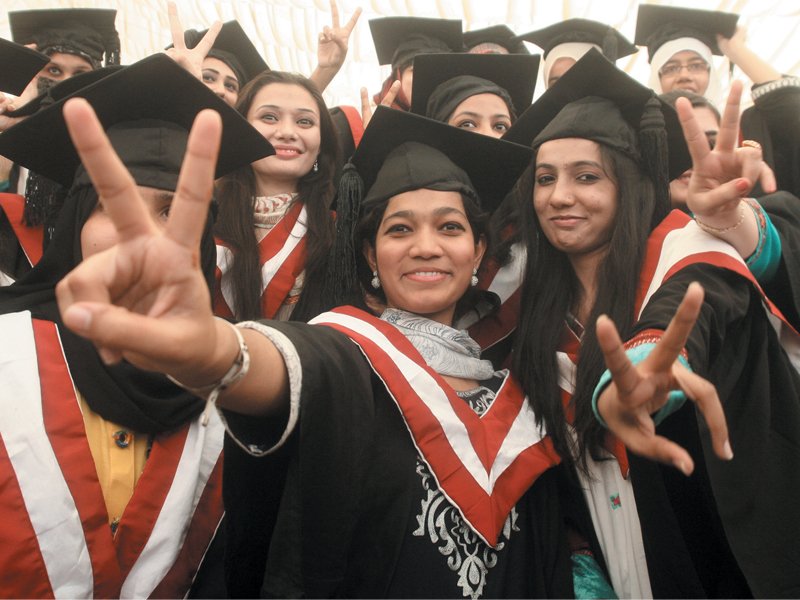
point(506, 282)
point(31, 239)
point(483, 464)
point(282, 257)
point(678, 242)
point(56, 538)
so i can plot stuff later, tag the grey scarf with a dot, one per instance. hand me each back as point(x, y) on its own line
point(446, 350)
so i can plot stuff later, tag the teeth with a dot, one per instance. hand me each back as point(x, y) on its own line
point(427, 273)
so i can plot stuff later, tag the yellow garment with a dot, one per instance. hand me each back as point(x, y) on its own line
point(118, 468)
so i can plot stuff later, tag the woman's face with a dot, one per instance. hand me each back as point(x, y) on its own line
point(221, 79)
point(425, 253)
point(685, 70)
point(574, 198)
point(288, 117)
point(482, 113)
point(62, 66)
point(561, 66)
point(406, 83)
point(99, 232)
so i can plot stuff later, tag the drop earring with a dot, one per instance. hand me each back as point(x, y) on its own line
point(474, 280)
point(376, 282)
point(315, 168)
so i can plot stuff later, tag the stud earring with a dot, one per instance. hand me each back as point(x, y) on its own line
point(376, 281)
point(315, 168)
point(474, 280)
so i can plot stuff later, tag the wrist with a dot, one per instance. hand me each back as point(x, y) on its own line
point(722, 221)
point(225, 353)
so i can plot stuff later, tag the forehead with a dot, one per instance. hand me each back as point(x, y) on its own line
point(568, 150)
point(219, 66)
point(484, 104)
point(423, 201)
point(286, 96)
point(685, 56)
point(706, 118)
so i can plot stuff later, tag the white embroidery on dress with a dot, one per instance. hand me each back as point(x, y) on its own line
point(467, 554)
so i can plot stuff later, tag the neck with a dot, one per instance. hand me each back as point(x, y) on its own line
point(269, 186)
point(585, 267)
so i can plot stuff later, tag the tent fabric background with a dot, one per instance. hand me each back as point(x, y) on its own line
point(285, 31)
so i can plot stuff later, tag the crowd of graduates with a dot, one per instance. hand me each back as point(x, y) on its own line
point(450, 343)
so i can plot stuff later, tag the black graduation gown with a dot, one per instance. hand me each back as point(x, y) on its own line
point(774, 122)
point(732, 528)
point(333, 511)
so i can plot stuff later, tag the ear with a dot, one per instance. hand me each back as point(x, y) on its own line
point(369, 253)
point(480, 250)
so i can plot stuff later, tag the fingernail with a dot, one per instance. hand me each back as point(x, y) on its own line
point(727, 450)
point(743, 185)
point(78, 319)
point(106, 356)
point(683, 467)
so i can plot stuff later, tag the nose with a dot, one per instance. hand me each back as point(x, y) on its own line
point(425, 244)
point(285, 129)
point(562, 193)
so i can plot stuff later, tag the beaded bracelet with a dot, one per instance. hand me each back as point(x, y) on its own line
point(712, 229)
point(237, 372)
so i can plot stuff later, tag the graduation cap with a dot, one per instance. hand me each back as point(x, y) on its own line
point(20, 66)
point(155, 96)
point(85, 32)
point(657, 25)
point(234, 48)
point(501, 35)
point(597, 101)
point(399, 39)
point(443, 81)
point(613, 44)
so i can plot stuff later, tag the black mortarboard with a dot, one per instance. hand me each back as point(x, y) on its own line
point(20, 66)
point(656, 25)
point(153, 91)
point(399, 39)
point(502, 35)
point(62, 89)
point(85, 32)
point(443, 81)
point(612, 42)
point(615, 123)
point(234, 48)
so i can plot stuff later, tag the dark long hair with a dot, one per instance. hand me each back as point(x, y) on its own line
point(551, 289)
point(236, 194)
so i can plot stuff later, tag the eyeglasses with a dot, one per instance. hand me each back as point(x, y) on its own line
point(673, 69)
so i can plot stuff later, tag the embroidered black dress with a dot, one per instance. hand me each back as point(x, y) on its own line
point(347, 507)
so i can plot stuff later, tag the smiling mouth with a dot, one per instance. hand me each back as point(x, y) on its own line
point(288, 152)
point(426, 275)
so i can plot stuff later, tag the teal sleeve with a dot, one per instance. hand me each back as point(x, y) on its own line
point(764, 264)
point(588, 578)
point(636, 355)
point(4, 185)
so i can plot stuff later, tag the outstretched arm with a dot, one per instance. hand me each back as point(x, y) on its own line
point(145, 299)
point(332, 49)
point(755, 67)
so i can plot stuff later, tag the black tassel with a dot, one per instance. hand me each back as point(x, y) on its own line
point(43, 201)
point(655, 155)
point(341, 278)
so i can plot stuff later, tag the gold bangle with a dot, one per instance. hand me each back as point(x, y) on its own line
point(712, 229)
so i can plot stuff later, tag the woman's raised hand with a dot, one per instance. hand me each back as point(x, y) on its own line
point(190, 59)
point(146, 299)
point(366, 107)
point(638, 391)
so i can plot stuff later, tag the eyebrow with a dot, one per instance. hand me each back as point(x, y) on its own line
point(469, 113)
point(279, 108)
point(577, 163)
point(408, 214)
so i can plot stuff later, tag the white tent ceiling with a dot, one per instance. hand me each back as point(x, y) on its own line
point(286, 30)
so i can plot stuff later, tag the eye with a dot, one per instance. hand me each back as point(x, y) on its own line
point(54, 70)
point(268, 117)
point(588, 178)
point(453, 226)
point(232, 87)
point(466, 124)
point(208, 77)
point(397, 228)
point(501, 126)
point(163, 214)
point(545, 179)
point(306, 122)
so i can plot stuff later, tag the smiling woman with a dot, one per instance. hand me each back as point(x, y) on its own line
point(275, 226)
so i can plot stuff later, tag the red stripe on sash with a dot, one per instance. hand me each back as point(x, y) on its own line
point(356, 123)
point(221, 308)
point(145, 505)
point(64, 425)
point(31, 239)
point(485, 512)
point(278, 289)
point(204, 524)
point(20, 556)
